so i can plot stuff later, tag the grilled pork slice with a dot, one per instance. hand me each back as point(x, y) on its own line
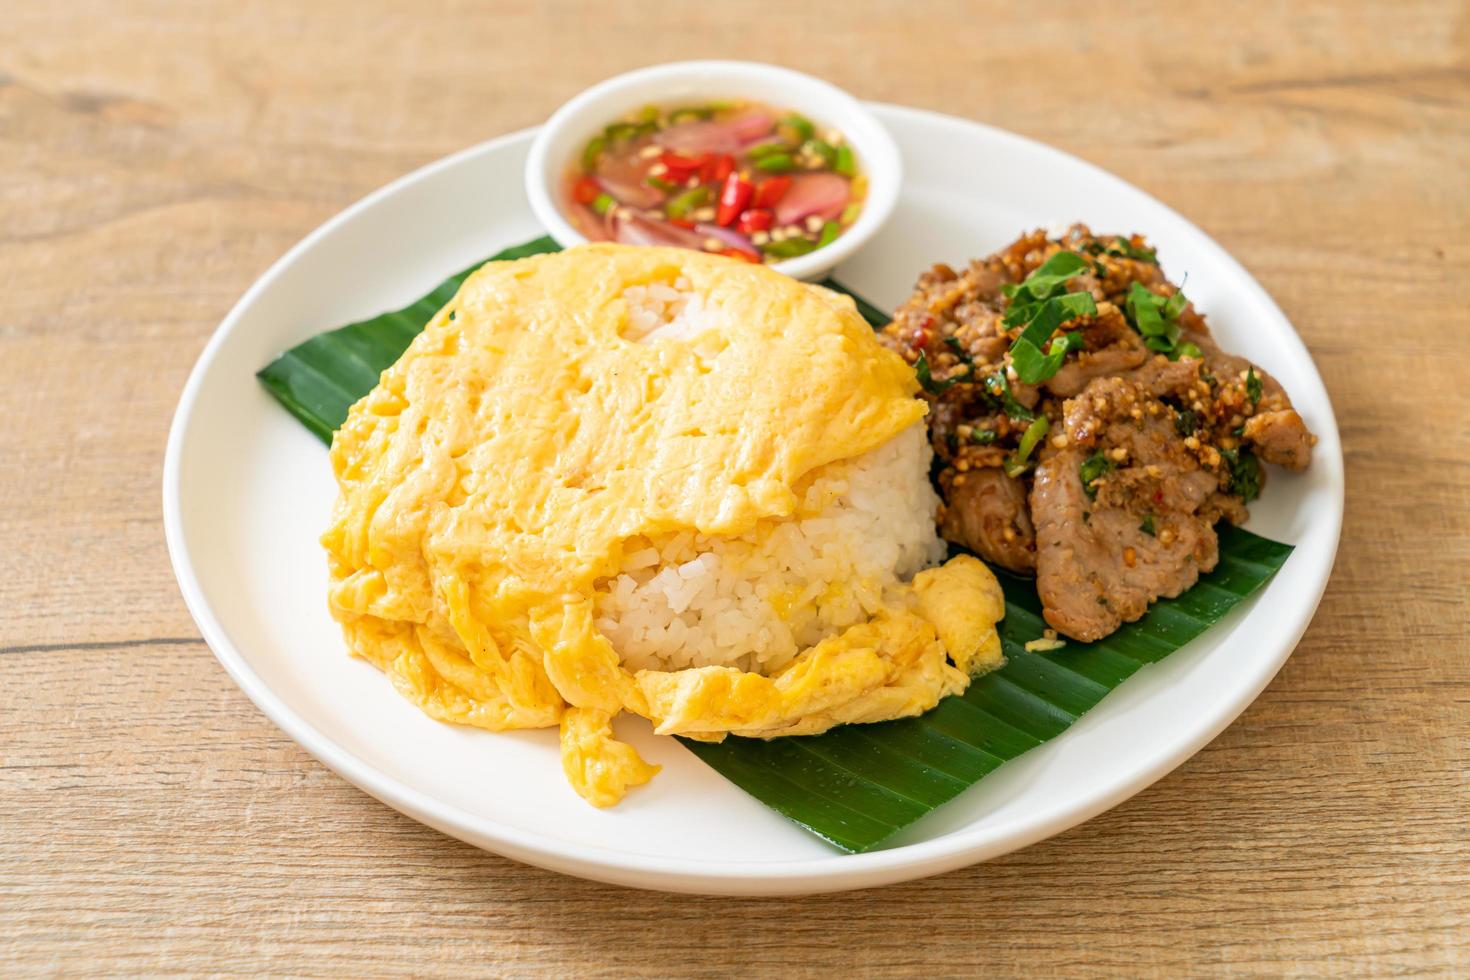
point(985, 511)
point(1123, 508)
point(1113, 347)
point(1276, 431)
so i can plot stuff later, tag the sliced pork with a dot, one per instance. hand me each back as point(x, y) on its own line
point(1143, 436)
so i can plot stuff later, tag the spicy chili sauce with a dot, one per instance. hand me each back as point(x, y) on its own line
point(737, 178)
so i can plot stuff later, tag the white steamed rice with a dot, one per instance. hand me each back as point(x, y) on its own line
point(864, 526)
point(662, 311)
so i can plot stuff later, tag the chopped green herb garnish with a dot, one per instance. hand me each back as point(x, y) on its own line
point(603, 203)
point(1253, 385)
point(1244, 478)
point(1123, 248)
point(1017, 463)
point(1154, 316)
point(927, 380)
point(1147, 527)
point(1040, 316)
point(983, 437)
point(1186, 349)
point(1092, 469)
point(1186, 422)
point(1041, 319)
point(1126, 249)
point(1033, 367)
point(660, 184)
point(1035, 303)
point(1000, 391)
point(1174, 305)
point(1046, 281)
point(830, 231)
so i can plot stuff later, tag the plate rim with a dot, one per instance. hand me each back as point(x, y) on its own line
point(784, 877)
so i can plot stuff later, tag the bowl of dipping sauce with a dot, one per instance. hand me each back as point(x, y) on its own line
point(756, 162)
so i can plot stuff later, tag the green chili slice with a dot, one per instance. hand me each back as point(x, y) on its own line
point(789, 248)
point(844, 162)
point(695, 197)
point(774, 163)
point(591, 152)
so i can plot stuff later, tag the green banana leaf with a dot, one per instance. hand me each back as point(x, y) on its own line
point(858, 785)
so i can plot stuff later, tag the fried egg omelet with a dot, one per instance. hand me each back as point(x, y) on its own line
point(528, 443)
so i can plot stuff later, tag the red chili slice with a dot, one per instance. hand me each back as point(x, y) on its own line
point(771, 190)
point(680, 167)
point(743, 256)
point(585, 191)
point(755, 219)
point(720, 168)
point(734, 196)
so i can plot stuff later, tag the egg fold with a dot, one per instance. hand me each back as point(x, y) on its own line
point(530, 440)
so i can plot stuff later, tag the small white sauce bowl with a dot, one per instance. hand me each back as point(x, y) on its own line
point(564, 135)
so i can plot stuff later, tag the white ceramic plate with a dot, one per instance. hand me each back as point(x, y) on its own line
point(247, 490)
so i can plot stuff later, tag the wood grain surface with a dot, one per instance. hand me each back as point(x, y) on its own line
point(155, 157)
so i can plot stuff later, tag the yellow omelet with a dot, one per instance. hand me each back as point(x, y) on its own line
point(505, 467)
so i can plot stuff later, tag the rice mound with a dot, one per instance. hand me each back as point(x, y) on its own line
point(863, 527)
point(666, 311)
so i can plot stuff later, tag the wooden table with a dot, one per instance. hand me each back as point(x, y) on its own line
point(156, 157)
